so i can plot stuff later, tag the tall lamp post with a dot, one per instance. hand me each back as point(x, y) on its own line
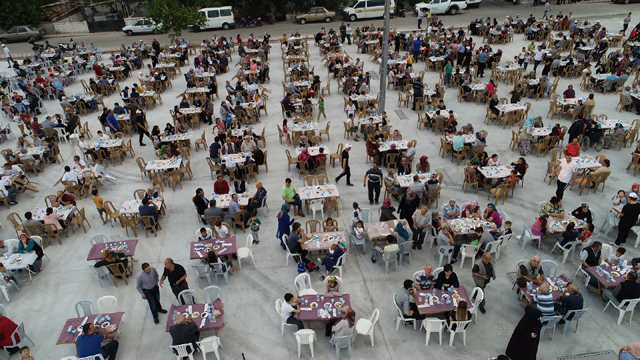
point(385, 55)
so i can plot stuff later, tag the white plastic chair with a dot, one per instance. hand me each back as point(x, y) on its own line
point(528, 236)
point(188, 297)
point(468, 251)
point(504, 243)
point(612, 220)
point(433, 325)
point(220, 270)
point(460, 327)
point(493, 248)
point(283, 321)
point(316, 206)
point(366, 326)
point(549, 267)
point(5, 289)
point(246, 252)
point(400, 317)
point(577, 314)
point(93, 357)
point(340, 263)
point(211, 294)
point(99, 239)
point(209, 233)
point(86, 306)
point(209, 344)
point(367, 215)
point(587, 276)
point(549, 322)
point(72, 358)
point(107, 304)
point(405, 249)
point(606, 251)
point(3, 310)
point(20, 334)
point(303, 285)
point(202, 271)
point(343, 342)
point(503, 216)
point(478, 293)
point(437, 271)
point(445, 250)
point(305, 337)
point(388, 257)
point(355, 240)
point(61, 134)
point(102, 272)
point(626, 306)
point(289, 253)
point(568, 248)
point(184, 350)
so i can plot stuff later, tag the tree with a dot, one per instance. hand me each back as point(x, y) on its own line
point(172, 15)
point(13, 13)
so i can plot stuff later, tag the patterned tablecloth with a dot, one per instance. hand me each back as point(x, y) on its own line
point(118, 246)
point(210, 322)
point(380, 230)
point(70, 338)
point(555, 289)
point(427, 302)
point(332, 304)
point(322, 241)
point(400, 145)
point(168, 164)
point(495, 172)
point(223, 200)
point(318, 192)
point(221, 247)
point(131, 206)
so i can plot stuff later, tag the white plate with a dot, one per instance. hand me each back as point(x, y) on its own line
point(314, 305)
point(613, 273)
point(195, 315)
point(456, 296)
point(614, 268)
point(338, 304)
point(104, 324)
point(205, 315)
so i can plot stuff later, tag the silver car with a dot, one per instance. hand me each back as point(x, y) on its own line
point(22, 33)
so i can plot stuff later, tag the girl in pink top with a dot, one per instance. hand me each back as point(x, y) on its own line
point(539, 228)
point(51, 218)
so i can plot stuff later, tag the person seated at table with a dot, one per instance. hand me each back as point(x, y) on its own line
point(491, 215)
point(204, 235)
point(460, 313)
point(617, 135)
point(630, 352)
point(445, 238)
point(483, 237)
point(212, 258)
point(472, 210)
point(391, 245)
point(404, 168)
point(583, 213)
point(553, 208)
point(221, 186)
point(229, 148)
point(70, 175)
point(112, 257)
point(149, 208)
point(332, 285)
point(28, 245)
point(287, 104)
point(181, 127)
point(531, 270)
point(627, 289)
point(570, 300)
point(330, 261)
point(441, 105)
point(296, 239)
point(544, 299)
point(451, 210)
point(403, 301)
point(185, 331)
point(387, 210)
point(591, 256)
point(291, 307)
point(173, 150)
point(447, 278)
point(90, 340)
point(169, 130)
point(617, 257)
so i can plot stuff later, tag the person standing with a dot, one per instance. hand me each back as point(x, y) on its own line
point(421, 222)
point(349, 31)
point(420, 17)
point(482, 62)
point(628, 218)
point(625, 23)
point(346, 171)
point(373, 180)
point(418, 88)
point(566, 172)
point(343, 33)
point(177, 277)
point(7, 53)
point(538, 54)
point(524, 341)
point(142, 127)
point(547, 10)
point(483, 271)
point(147, 286)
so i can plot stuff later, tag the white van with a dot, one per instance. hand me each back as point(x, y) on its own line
point(219, 17)
point(365, 9)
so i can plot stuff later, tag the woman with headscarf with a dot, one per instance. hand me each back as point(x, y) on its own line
point(523, 344)
point(537, 122)
point(305, 157)
point(284, 222)
point(491, 215)
point(635, 188)
point(344, 327)
point(404, 168)
point(387, 210)
point(525, 137)
point(424, 166)
point(408, 205)
point(618, 135)
point(630, 352)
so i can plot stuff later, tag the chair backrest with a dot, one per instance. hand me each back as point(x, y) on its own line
point(391, 255)
point(183, 350)
point(303, 282)
point(503, 216)
point(606, 251)
point(343, 341)
point(201, 270)
point(367, 215)
point(107, 304)
point(478, 293)
point(305, 336)
point(549, 267)
point(211, 294)
point(520, 262)
point(99, 239)
point(492, 246)
point(574, 315)
point(460, 326)
point(550, 321)
point(86, 306)
point(629, 304)
point(209, 344)
point(405, 247)
point(188, 296)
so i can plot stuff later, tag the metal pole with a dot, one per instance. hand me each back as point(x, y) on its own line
point(385, 54)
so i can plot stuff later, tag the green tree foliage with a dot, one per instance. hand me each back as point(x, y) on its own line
point(14, 13)
point(173, 15)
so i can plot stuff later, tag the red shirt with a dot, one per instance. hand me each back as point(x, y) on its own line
point(221, 187)
point(7, 327)
point(97, 69)
point(572, 149)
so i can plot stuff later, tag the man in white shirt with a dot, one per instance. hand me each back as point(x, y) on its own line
point(538, 53)
point(566, 172)
point(84, 146)
point(8, 192)
point(351, 108)
point(103, 136)
point(10, 170)
point(291, 307)
point(78, 163)
point(70, 175)
point(7, 53)
point(247, 145)
point(420, 17)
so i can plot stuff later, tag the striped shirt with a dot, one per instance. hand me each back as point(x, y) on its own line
point(545, 304)
point(147, 281)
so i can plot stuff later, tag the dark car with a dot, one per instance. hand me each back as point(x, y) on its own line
point(22, 33)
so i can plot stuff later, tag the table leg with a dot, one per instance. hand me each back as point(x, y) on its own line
point(600, 292)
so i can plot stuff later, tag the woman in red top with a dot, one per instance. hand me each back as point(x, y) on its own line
point(221, 186)
point(491, 88)
point(7, 327)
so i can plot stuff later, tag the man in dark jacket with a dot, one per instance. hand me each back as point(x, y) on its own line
point(200, 202)
point(628, 289)
point(184, 331)
point(572, 300)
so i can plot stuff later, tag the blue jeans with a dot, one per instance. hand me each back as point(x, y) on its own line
point(419, 23)
point(447, 79)
point(627, 356)
point(545, 16)
point(153, 298)
point(295, 201)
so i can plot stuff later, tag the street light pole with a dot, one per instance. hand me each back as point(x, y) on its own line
point(384, 56)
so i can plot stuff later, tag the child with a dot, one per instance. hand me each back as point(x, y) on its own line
point(321, 107)
point(353, 127)
point(100, 206)
point(4, 275)
point(356, 214)
point(429, 107)
point(617, 258)
point(26, 120)
point(25, 353)
point(285, 132)
point(18, 119)
point(204, 235)
point(391, 246)
point(358, 231)
point(586, 233)
point(221, 230)
point(506, 230)
point(329, 226)
point(254, 224)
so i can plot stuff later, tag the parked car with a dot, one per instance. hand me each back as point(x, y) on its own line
point(624, 1)
point(316, 14)
point(367, 9)
point(22, 33)
point(142, 26)
point(442, 6)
